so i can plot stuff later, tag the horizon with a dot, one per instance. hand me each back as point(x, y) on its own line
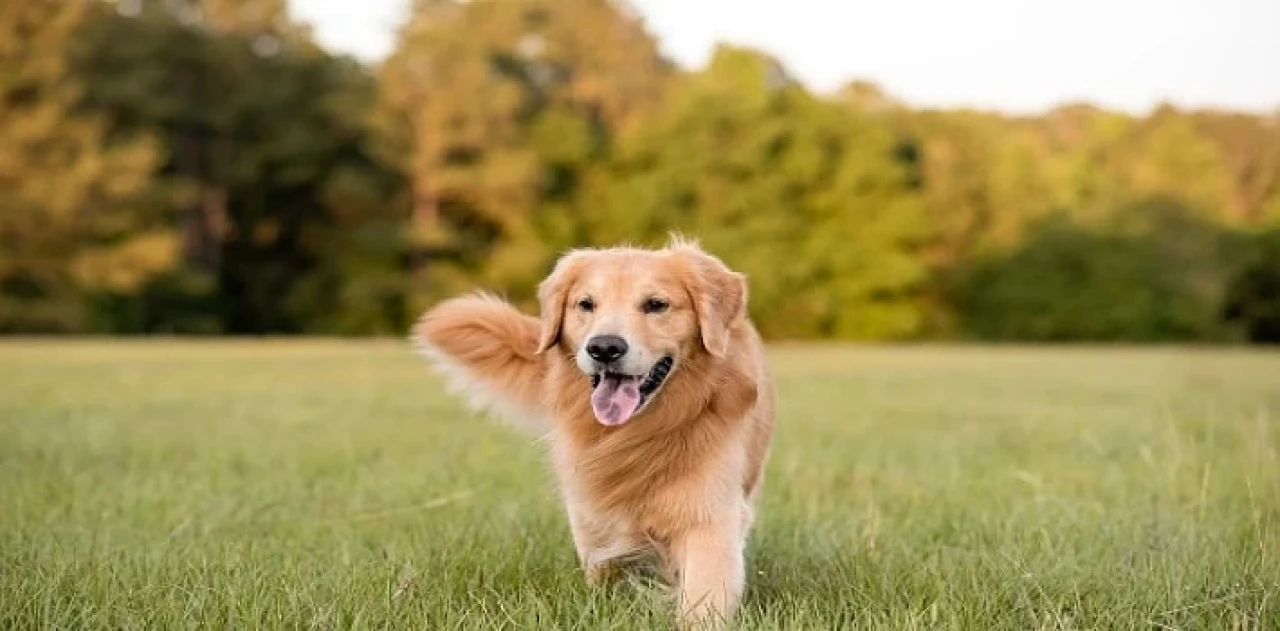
point(1201, 55)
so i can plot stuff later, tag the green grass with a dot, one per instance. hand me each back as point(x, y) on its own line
point(175, 485)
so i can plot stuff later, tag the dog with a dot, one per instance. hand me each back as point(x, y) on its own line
point(649, 381)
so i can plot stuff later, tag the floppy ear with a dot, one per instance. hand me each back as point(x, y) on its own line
point(719, 296)
point(552, 295)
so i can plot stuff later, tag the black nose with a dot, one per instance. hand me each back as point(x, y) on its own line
point(606, 348)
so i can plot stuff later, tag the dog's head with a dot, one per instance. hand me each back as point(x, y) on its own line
point(632, 317)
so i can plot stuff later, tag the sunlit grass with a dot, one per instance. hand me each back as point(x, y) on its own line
point(171, 485)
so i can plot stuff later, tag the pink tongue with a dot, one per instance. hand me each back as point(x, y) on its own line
point(616, 399)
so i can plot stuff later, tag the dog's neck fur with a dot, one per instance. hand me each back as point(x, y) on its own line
point(692, 414)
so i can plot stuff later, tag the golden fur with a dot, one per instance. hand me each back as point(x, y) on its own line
point(680, 478)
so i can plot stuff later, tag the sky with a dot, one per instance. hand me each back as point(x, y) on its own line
point(1010, 55)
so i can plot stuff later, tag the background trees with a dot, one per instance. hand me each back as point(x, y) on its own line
point(72, 217)
point(505, 108)
point(809, 198)
point(203, 166)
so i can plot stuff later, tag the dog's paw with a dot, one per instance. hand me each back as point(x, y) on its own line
point(600, 575)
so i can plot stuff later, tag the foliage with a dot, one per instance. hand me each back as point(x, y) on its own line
point(1253, 296)
point(202, 166)
point(278, 191)
point(742, 155)
point(1153, 274)
point(70, 218)
point(505, 106)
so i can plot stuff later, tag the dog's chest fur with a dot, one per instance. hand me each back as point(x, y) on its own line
point(673, 465)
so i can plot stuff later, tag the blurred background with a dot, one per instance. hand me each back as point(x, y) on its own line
point(985, 170)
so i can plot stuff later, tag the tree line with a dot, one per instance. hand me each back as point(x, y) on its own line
point(204, 167)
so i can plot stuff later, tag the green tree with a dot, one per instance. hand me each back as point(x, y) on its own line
point(69, 219)
point(245, 17)
point(1252, 299)
point(285, 206)
point(1250, 148)
point(1167, 156)
point(808, 197)
point(203, 166)
point(504, 106)
point(1154, 272)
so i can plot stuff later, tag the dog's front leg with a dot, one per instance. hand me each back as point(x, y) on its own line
point(585, 541)
point(601, 549)
point(710, 558)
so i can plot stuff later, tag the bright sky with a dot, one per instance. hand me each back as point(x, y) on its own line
point(1013, 55)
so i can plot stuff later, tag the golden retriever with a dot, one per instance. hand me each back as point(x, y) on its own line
point(649, 380)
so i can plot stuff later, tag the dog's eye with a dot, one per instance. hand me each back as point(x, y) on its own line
point(586, 304)
point(655, 305)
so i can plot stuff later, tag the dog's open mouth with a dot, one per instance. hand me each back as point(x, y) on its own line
point(616, 398)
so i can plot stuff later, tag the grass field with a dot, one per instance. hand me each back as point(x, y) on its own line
point(292, 485)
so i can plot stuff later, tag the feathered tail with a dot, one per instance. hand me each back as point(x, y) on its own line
point(487, 350)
